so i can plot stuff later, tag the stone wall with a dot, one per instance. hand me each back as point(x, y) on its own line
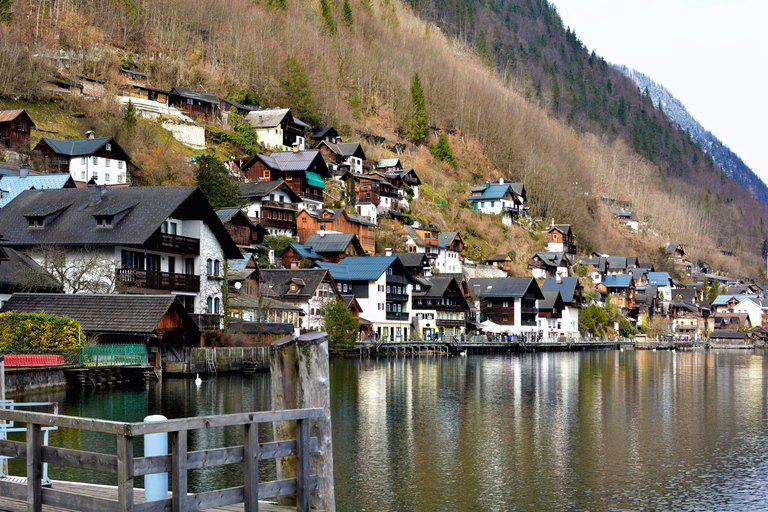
point(188, 134)
point(17, 381)
point(482, 271)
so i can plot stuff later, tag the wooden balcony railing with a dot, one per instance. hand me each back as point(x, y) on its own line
point(158, 280)
point(174, 243)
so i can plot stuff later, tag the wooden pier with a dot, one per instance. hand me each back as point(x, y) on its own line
point(453, 347)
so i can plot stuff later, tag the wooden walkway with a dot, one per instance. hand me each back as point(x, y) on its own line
point(110, 493)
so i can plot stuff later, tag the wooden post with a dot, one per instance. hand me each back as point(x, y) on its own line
point(314, 391)
point(125, 473)
point(179, 470)
point(34, 468)
point(251, 469)
point(282, 367)
point(303, 465)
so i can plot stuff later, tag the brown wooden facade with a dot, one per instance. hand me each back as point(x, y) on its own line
point(308, 223)
point(15, 130)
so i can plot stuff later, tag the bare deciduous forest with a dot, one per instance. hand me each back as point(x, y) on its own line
point(508, 113)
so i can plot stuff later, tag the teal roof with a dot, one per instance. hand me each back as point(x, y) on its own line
point(619, 281)
point(493, 192)
point(304, 251)
point(314, 180)
point(364, 268)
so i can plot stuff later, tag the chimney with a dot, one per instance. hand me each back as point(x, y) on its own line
point(23, 171)
point(487, 183)
point(90, 134)
point(559, 278)
point(388, 251)
point(501, 181)
point(95, 192)
point(295, 147)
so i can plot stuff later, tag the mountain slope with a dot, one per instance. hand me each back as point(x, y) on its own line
point(721, 154)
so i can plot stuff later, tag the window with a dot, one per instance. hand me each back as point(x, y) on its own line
point(267, 175)
point(208, 267)
point(190, 101)
point(387, 289)
point(95, 160)
point(120, 178)
point(505, 318)
point(153, 262)
point(209, 304)
point(216, 308)
point(216, 267)
point(83, 160)
point(119, 164)
point(20, 126)
point(106, 176)
point(107, 162)
point(132, 259)
point(506, 304)
point(289, 177)
point(82, 175)
point(109, 147)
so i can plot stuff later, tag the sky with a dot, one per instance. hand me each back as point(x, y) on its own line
point(712, 55)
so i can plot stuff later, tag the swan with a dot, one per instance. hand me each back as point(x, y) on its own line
point(198, 380)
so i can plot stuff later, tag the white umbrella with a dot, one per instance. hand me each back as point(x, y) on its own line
point(489, 326)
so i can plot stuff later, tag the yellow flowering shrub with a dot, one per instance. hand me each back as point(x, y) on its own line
point(21, 332)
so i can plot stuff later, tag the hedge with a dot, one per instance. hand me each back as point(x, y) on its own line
point(37, 332)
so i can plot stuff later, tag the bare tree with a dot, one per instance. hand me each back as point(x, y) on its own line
point(79, 271)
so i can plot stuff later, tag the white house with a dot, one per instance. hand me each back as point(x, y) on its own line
point(499, 198)
point(98, 160)
point(134, 239)
point(443, 248)
point(273, 204)
point(570, 290)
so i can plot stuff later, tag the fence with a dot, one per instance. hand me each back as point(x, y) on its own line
point(115, 355)
point(225, 358)
point(179, 462)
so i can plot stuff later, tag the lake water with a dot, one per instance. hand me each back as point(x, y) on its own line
point(595, 430)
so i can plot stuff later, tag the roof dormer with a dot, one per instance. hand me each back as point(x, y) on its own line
point(44, 216)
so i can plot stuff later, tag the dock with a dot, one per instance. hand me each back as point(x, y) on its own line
point(482, 345)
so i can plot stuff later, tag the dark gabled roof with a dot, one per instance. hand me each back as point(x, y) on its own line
point(20, 272)
point(335, 215)
point(436, 286)
point(402, 173)
point(237, 105)
point(343, 149)
point(268, 118)
point(321, 131)
point(256, 303)
point(195, 95)
point(144, 210)
point(551, 297)
point(276, 283)
point(563, 228)
point(505, 287)
point(670, 248)
point(617, 262)
point(684, 294)
point(334, 242)
point(10, 115)
point(264, 188)
point(727, 334)
point(412, 259)
point(299, 160)
point(77, 147)
point(227, 214)
point(447, 237)
point(114, 313)
point(499, 257)
point(566, 286)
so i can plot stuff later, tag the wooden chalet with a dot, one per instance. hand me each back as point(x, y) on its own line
point(338, 221)
point(338, 153)
point(561, 239)
point(15, 129)
point(243, 231)
point(302, 171)
point(326, 133)
point(273, 204)
point(196, 104)
point(620, 289)
point(502, 261)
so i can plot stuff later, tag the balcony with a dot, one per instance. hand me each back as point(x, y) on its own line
point(311, 197)
point(207, 322)
point(158, 280)
point(279, 205)
point(529, 311)
point(281, 224)
point(401, 316)
point(397, 297)
point(393, 279)
point(443, 322)
point(439, 307)
point(173, 243)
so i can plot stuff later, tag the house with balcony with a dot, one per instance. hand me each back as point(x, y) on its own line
point(509, 302)
point(196, 104)
point(332, 247)
point(307, 289)
point(346, 154)
point(571, 297)
point(620, 289)
point(626, 217)
point(443, 249)
point(550, 264)
point(327, 222)
point(326, 133)
point(502, 261)
point(367, 190)
point(246, 234)
point(277, 129)
point(438, 307)
point(382, 286)
point(502, 198)
point(302, 171)
point(147, 240)
point(561, 239)
point(405, 181)
point(100, 160)
point(273, 204)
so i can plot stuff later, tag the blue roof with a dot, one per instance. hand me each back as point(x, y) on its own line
point(722, 300)
point(494, 191)
point(363, 268)
point(12, 186)
point(77, 147)
point(566, 287)
point(619, 281)
point(659, 278)
point(304, 251)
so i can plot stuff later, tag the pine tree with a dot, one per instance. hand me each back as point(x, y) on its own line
point(346, 14)
point(442, 150)
point(6, 16)
point(215, 184)
point(325, 7)
point(419, 126)
point(129, 118)
point(299, 93)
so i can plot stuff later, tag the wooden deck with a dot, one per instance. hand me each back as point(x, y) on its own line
point(110, 493)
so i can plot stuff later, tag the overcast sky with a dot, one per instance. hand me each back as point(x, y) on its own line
point(712, 55)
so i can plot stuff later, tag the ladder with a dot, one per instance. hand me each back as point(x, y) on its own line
point(210, 361)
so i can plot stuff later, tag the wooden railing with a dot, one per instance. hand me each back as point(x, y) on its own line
point(158, 280)
point(178, 463)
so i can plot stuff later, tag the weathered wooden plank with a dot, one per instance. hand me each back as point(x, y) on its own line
point(251, 468)
point(218, 457)
point(286, 487)
point(110, 427)
point(164, 505)
point(80, 459)
point(302, 465)
point(283, 359)
point(34, 468)
point(16, 449)
point(79, 502)
point(179, 470)
point(217, 498)
point(125, 473)
point(13, 490)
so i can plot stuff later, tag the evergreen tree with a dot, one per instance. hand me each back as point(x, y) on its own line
point(340, 324)
point(213, 179)
point(6, 16)
point(419, 127)
point(299, 93)
point(442, 150)
point(129, 118)
point(346, 14)
point(330, 23)
point(555, 95)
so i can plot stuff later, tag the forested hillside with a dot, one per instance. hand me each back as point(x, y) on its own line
point(519, 94)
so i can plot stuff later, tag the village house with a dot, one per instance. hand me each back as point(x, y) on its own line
point(499, 198)
point(663, 282)
point(403, 181)
point(307, 289)
point(620, 289)
point(439, 308)
point(677, 253)
point(302, 171)
point(550, 315)
point(627, 218)
point(550, 264)
point(196, 104)
point(736, 321)
point(326, 133)
point(338, 153)
point(247, 235)
point(730, 338)
point(382, 287)
point(15, 130)
point(336, 221)
point(571, 295)
point(331, 247)
point(417, 263)
point(145, 240)
point(502, 261)
point(443, 249)
point(724, 303)
point(226, 107)
point(755, 308)
point(561, 239)
point(99, 160)
point(277, 129)
point(298, 256)
point(367, 190)
point(273, 204)
point(509, 302)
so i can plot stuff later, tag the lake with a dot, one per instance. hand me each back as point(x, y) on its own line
point(591, 430)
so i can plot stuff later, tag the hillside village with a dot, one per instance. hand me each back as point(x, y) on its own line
point(74, 223)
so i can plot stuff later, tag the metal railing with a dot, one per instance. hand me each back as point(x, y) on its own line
point(115, 355)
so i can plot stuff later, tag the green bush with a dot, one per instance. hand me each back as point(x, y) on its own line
point(37, 332)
